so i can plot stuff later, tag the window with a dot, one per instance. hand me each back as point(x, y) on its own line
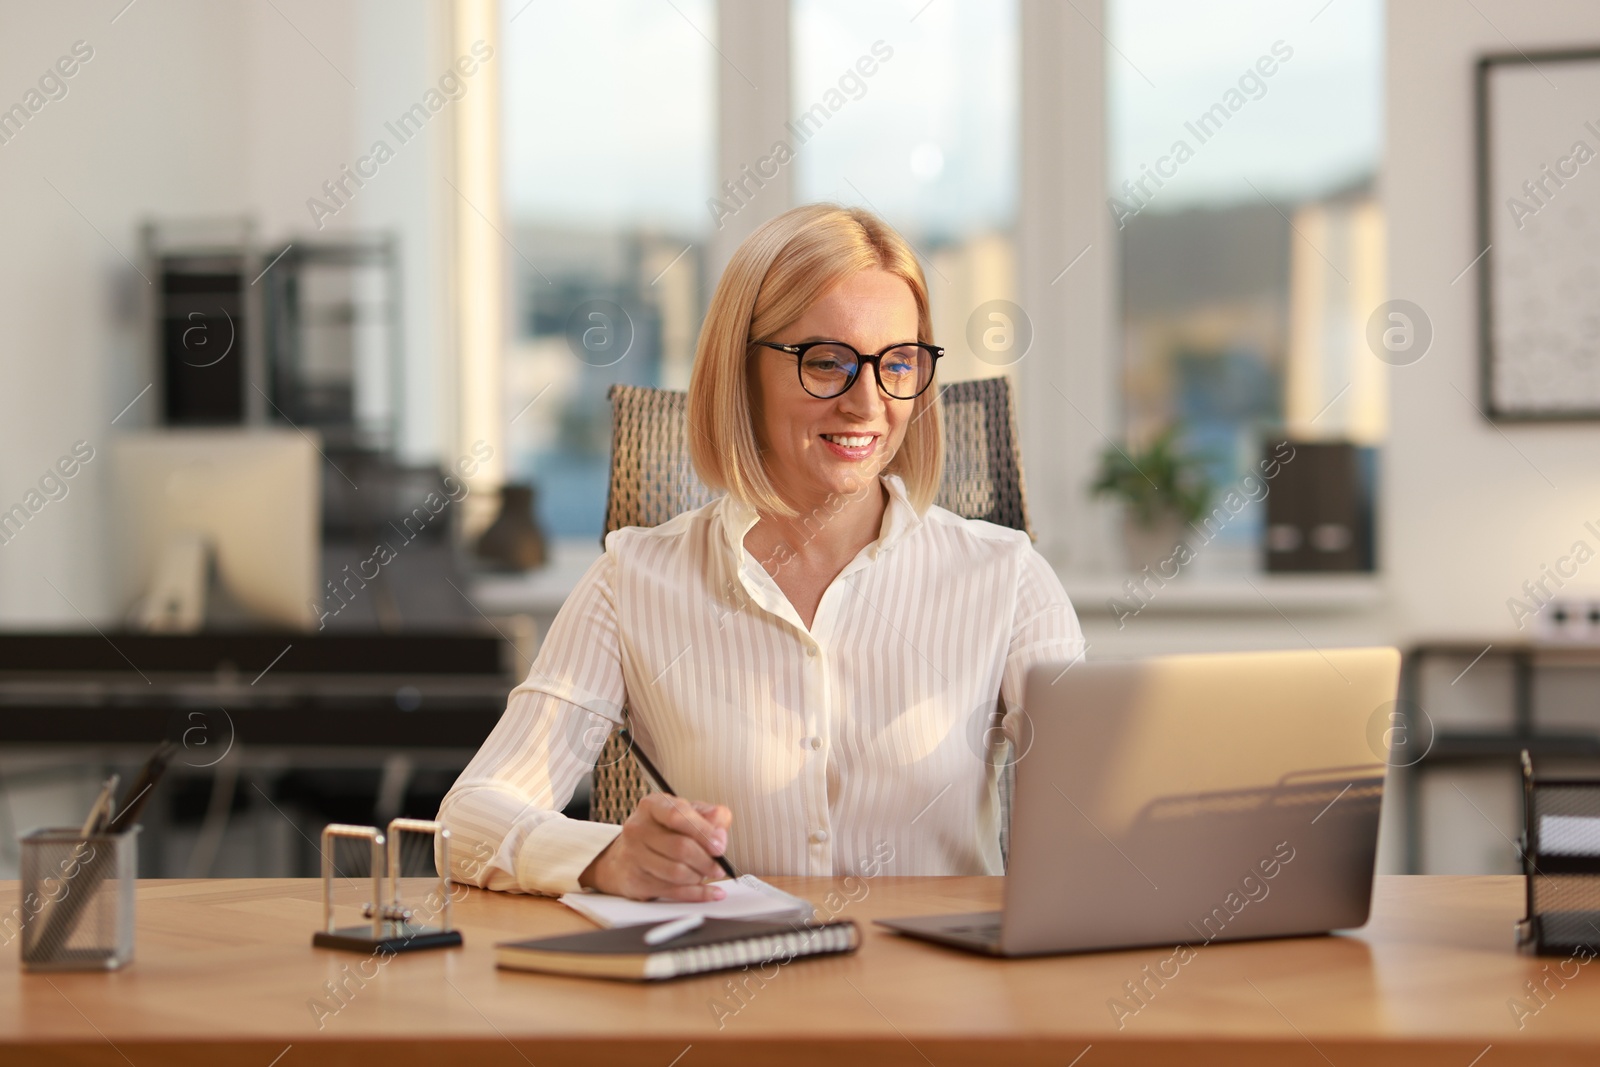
point(608, 120)
point(911, 110)
point(1244, 142)
point(1247, 259)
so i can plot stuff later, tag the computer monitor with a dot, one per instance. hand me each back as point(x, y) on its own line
point(247, 498)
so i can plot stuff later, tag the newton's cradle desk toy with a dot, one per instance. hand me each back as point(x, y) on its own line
point(395, 926)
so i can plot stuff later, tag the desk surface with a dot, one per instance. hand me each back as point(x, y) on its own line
point(225, 973)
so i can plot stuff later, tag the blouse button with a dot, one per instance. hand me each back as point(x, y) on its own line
point(818, 836)
point(816, 743)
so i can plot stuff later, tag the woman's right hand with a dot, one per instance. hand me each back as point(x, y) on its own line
point(666, 850)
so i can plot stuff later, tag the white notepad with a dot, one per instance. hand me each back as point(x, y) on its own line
point(1569, 835)
point(748, 897)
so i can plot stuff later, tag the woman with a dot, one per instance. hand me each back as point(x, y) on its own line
point(813, 658)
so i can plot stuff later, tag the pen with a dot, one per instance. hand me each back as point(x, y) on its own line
point(674, 928)
point(64, 918)
point(100, 812)
point(139, 791)
point(650, 769)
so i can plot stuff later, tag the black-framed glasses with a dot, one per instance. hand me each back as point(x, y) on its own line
point(829, 368)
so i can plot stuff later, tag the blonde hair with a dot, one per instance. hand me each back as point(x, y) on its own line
point(774, 277)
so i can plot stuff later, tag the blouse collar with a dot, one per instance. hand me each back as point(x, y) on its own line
point(899, 518)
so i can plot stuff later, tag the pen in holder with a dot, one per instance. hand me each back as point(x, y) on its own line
point(392, 927)
point(77, 899)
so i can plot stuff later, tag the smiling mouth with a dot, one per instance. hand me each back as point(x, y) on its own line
point(850, 440)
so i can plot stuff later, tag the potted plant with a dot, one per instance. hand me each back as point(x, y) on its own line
point(1162, 488)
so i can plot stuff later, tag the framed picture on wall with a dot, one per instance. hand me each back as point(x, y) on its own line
point(1538, 118)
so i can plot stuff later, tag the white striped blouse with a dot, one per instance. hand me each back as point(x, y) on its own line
point(867, 735)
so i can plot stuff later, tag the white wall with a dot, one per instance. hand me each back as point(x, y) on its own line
point(1470, 508)
point(188, 107)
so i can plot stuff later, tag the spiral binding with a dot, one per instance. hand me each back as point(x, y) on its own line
point(698, 959)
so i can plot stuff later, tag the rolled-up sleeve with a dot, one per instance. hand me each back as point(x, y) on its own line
point(1044, 629)
point(504, 811)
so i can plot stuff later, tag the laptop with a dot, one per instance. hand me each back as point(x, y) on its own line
point(1190, 799)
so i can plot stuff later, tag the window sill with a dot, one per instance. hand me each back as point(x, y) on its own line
point(542, 592)
point(538, 592)
point(1258, 594)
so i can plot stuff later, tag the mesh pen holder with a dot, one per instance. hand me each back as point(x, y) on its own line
point(1561, 858)
point(77, 900)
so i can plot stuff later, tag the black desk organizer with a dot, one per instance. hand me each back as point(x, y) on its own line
point(1562, 869)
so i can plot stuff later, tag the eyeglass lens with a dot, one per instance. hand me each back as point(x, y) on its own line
point(827, 370)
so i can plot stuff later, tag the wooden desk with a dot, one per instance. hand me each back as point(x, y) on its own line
point(225, 972)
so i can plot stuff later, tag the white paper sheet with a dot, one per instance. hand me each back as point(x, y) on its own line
point(748, 897)
point(1569, 835)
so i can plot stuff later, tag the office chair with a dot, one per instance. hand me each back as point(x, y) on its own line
point(652, 480)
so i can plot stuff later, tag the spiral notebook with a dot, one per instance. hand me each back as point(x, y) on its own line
point(718, 945)
point(748, 897)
